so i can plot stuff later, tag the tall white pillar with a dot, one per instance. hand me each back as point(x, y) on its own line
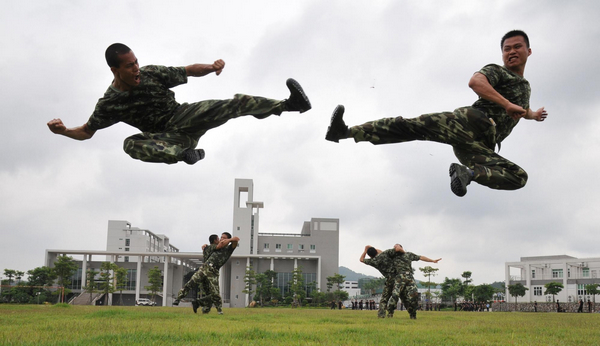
point(138, 277)
point(165, 280)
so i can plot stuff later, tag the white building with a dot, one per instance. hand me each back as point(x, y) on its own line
point(352, 288)
point(315, 250)
point(534, 272)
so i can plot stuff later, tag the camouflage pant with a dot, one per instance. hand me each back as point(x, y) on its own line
point(405, 288)
point(207, 278)
point(388, 287)
point(191, 121)
point(467, 130)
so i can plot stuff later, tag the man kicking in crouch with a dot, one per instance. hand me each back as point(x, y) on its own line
point(141, 97)
point(207, 276)
point(474, 131)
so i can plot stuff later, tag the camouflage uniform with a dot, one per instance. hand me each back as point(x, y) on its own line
point(169, 128)
point(405, 286)
point(207, 276)
point(473, 132)
point(384, 262)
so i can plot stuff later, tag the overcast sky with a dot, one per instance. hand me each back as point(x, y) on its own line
point(378, 58)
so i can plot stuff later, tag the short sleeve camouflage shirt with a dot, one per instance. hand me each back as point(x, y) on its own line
point(148, 107)
point(403, 262)
point(221, 256)
point(384, 262)
point(208, 251)
point(513, 87)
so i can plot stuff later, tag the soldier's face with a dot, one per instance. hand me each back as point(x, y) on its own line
point(515, 52)
point(129, 70)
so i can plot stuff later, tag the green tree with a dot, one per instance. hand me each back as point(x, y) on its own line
point(40, 277)
point(121, 275)
point(65, 267)
point(90, 286)
point(483, 292)
point(155, 281)
point(451, 289)
point(428, 272)
point(264, 285)
point(10, 273)
point(553, 288)
point(517, 290)
point(249, 281)
point(466, 283)
point(297, 287)
point(18, 275)
point(107, 283)
point(592, 289)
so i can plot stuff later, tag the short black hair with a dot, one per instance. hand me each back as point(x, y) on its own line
point(227, 234)
point(514, 33)
point(372, 252)
point(112, 54)
point(212, 238)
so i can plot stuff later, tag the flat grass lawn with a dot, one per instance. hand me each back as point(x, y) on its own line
point(92, 325)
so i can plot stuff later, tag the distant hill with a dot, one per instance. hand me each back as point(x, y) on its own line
point(352, 275)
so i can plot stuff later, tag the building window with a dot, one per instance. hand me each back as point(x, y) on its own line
point(533, 273)
point(266, 247)
point(127, 242)
point(126, 259)
point(290, 247)
point(300, 246)
point(277, 247)
point(126, 249)
point(586, 272)
point(537, 290)
point(237, 277)
point(581, 290)
point(313, 248)
point(557, 273)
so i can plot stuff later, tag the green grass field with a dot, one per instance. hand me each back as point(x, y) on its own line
point(91, 325)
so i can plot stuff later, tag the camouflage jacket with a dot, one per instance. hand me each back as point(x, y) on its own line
point(148, 107)
point(384, 262)
point(513, 87)
point(208, 251)
point(220, 257)
point(403, 262)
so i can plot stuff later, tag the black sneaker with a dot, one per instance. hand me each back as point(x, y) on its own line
point(413, 316)
point(337, 128)
point(192, 156)
point(175, 302)
point(195, 305)
point(298, 100)
point(460, 177)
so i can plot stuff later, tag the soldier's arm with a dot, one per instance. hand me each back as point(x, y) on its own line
point(427, 259)
point(482, 87)
point(199, 70)
point(539, 115)
point(362, 257)
point(79, 133)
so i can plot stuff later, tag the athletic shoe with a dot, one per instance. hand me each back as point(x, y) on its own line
point(192, 156)
point(337, 128)
point(175, 302)
point(413, 316)
point(298, 100)
point(195, 305)
point(220, 312)
point(460, 177)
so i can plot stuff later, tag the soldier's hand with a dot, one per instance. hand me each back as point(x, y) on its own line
point(57, 126)
point(437, 260)
point(219, 65)
point(540, 114)
point(515, 112)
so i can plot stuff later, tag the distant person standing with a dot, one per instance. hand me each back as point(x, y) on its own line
point(580, 309)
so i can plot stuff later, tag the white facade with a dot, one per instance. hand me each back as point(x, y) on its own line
point(534, 272)
point(315, 249)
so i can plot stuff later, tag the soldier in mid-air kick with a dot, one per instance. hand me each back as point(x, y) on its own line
point(473, 131)
point(141, 97)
